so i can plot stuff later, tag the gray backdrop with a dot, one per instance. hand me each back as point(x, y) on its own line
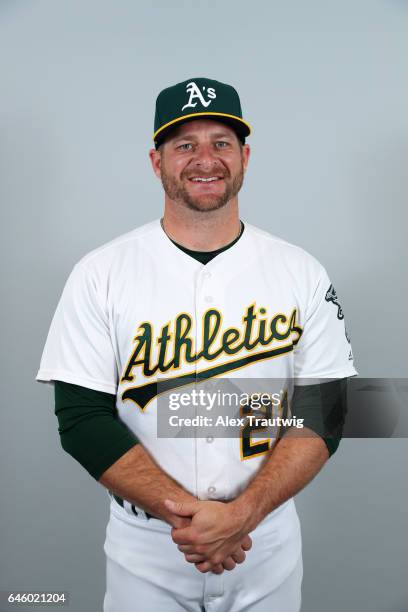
point(324, 85)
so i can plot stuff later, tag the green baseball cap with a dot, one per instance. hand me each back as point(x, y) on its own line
point(196, 99)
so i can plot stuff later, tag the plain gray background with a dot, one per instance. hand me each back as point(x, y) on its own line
point(324, 85)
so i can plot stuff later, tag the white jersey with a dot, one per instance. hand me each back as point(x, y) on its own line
point(139, 309)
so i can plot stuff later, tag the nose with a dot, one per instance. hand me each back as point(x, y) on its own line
point(205, 157)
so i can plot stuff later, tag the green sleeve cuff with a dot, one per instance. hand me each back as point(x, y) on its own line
point(89, 427)
point(323, 409)
point(332, 444)
point(97, 443)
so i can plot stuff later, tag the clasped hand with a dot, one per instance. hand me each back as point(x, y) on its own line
point(210, 534)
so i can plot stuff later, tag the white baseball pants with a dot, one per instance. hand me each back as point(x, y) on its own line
point(145, 572)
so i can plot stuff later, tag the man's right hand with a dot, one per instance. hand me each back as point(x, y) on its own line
point(229, 563)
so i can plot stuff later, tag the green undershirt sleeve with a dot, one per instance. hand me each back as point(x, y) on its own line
point(323, 407)
point(92, 433)
point(89, 427)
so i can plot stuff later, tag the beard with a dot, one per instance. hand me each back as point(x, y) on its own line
point(177, 191)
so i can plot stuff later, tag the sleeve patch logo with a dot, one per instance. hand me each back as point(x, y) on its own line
point(331, 296)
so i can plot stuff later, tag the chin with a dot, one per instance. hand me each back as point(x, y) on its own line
point(205, 206)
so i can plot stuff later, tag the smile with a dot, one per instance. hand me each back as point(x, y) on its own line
point(199, 179)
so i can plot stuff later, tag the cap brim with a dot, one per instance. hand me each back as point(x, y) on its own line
point(241, 127)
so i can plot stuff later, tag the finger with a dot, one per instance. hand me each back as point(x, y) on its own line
point(217, 569)
point(185, 535)
point(181, 508)
point(194, 558)
point(179, 521)
point(239, 556)
point(192, 549)
point(186, 548)
point(229, 564)
point(246, 543)
point(206, 566)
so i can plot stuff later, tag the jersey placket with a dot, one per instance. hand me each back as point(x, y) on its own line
point(207, 477)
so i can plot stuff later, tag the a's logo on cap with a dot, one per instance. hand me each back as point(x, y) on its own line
point(194, 91)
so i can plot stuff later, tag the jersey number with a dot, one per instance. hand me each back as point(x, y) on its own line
point(250, 448)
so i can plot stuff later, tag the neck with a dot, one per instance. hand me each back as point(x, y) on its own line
point(202, 231)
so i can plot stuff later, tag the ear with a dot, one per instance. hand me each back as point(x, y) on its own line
point(246, 151)
point(155, 158)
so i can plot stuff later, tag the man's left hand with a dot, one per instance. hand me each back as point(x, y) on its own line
point(217, 531)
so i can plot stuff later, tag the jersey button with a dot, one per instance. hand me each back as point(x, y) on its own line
point(211, 490)
point(210, 439)
point(208, 298)
point(206, 274)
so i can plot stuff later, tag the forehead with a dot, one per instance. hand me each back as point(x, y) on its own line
point(202, 127)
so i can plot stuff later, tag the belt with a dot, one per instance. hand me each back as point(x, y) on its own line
point(121, 503)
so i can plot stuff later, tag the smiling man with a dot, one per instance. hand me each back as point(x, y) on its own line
point(210, 186)
point(198, 523)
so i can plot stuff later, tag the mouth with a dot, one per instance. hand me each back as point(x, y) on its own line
point(201, 180)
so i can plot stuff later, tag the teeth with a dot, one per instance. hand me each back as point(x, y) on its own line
point(205, 180)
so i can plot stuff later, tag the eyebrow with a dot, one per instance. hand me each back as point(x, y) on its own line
point(191, 136)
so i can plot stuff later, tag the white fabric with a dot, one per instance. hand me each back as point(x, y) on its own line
point(142, 277)
point(146, 571)
point(141, 284)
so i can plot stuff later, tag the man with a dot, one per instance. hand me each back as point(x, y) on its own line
point(197, 295)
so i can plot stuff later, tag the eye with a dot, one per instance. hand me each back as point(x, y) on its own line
point(221, 144)
point(185, 146)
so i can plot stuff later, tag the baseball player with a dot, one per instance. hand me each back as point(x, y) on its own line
point(197, 523)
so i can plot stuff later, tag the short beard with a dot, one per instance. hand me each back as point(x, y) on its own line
point(178, 193)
